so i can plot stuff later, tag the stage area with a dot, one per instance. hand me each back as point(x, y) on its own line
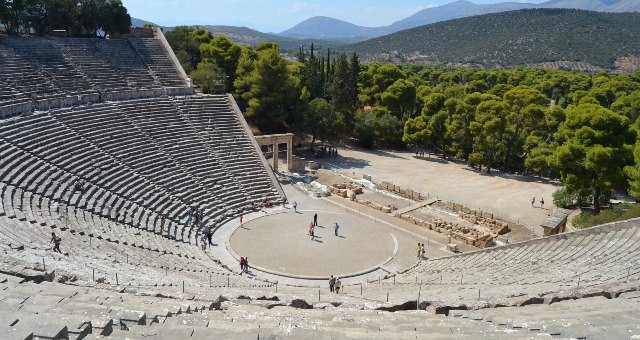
point(279, 242)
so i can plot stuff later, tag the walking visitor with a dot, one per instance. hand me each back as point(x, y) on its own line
point(332, 283)
point(55, 239)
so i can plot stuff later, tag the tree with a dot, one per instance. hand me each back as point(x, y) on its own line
point(525, 114)
point(271, 90)
point(596, 144)
point(322, 122)
point(224, 53)
point(339, 88)
point(364, 128)
point(376, 79)
point(633, 173)
point(488, 130)
point(206, 75)
point(313, 76)
point(116, 18)
point(416, 131)
point(242, 84)
point(400, 99)
point(13, 14)
point(188, 39)
point(387, 128)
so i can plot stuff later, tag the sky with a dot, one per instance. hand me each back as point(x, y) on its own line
point(277, 15)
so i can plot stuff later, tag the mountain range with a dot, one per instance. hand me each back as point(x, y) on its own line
point(326, 28)
point(539, 37)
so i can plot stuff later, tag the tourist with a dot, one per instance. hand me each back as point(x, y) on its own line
point(295, 206)
point(162, 218)
point(246, 264)
point(241, 218)
point(335, 228)
point(419, 249)
point(542, 203)
point(203, 242)
point(337, 286)
point(315, 219)
point(209, 234)
point(55, 239)
point(533, 201)
point(332, 283)
point(242, 264)
point(190, 218)
point(424, 251)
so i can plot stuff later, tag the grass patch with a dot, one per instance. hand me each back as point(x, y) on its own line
point(619, 212)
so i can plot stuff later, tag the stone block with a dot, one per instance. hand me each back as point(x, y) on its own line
point(415, 195)
point(357, 190)
point(487, 214)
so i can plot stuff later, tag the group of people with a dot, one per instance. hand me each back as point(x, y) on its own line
point(533, 202)
point(312, 227)
point(78, 184)
point(323, 151)
point(195, 215)
point(421, 250)
point(335, 284)
point(244, 264)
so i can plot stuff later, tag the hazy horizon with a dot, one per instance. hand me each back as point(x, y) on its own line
point(278, 15)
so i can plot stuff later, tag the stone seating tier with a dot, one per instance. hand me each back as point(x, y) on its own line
point(35, 68)
point(138, 159)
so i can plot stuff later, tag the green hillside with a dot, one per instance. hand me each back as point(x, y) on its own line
point(523, 37)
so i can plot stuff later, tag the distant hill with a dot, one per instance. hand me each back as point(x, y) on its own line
point(523, 37)
point(626, 6)
point(135, 22)
point(329, 28)
point(454, 10)
point(251, 37)
point(590, 5)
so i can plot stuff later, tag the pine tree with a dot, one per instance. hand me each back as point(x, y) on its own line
point(340, 97)
point(354, 74)
point(312, 79)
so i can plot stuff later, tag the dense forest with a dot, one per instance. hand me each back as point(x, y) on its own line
point(513, 38)
point(73, 17)
point(580, 128)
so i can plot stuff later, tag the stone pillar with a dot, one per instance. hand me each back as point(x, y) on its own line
point(275, 156)
point(289, 154)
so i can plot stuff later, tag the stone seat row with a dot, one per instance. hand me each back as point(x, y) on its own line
point(595, 257)
point(87, 154)
point(35, 209)
point(60, 67)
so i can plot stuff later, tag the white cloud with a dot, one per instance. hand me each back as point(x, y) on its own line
point(299, 7)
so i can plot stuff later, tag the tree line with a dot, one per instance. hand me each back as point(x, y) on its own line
point(83, 18)
point(315, 94)
point(579, 128)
